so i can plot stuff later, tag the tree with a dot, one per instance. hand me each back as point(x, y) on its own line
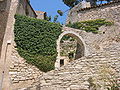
point(60, 12)
point(55, 19)
point(92, 2)
point(108, 0)
point(72, 3)
point(48, 18)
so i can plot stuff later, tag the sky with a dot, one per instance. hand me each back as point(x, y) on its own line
point(51, 7)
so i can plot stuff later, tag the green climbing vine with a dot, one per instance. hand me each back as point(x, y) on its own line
point(36, 41)
point(90, 25)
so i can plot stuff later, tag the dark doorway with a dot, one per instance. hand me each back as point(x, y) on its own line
point(61, 62)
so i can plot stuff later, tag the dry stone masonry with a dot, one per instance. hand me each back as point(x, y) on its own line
point(20, 71)
point(102, 54)
point(75, 74)
point(110, 12)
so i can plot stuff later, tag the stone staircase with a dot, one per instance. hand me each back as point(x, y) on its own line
point(75, 75)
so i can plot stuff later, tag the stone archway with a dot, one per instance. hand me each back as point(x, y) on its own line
point(81, 51)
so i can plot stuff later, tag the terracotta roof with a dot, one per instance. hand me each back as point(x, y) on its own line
point(40, 12)
point(34, 10)
point(82, 9)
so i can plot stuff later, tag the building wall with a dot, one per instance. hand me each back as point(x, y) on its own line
point(9, 56)
point(41, 15)
point(110, 12)
point(4, 11)
point(24, 8)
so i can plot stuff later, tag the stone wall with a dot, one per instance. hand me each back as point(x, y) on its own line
point(111, 12)
point(7, 73)
point(75, 75)
point(104, 54)
point(103, 50)
point(96, 42)
point(4, 11)
point(24, 8)
point(21, 73)
point(93, 43)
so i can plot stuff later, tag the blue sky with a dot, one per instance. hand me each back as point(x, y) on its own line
point(51, 7)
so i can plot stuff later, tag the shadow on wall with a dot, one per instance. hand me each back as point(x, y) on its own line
point(4, 11)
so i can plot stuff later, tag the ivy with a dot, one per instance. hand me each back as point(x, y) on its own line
point(36, 41)
point(90, 25)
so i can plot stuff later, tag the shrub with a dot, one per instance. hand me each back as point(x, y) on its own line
point(90, 25)
point(36, 41)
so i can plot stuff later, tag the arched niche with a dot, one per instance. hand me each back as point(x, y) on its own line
point(81, 47)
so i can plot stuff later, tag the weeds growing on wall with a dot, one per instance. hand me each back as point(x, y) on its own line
point(90, 25)
point(36, 41)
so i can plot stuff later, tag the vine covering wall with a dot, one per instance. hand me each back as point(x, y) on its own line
point(90, 25)
point(36, 41)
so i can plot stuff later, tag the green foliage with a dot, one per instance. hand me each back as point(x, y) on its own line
point(55, 18)
point(92, 2)
point(71, 55)
point(36, 41)
point(71, 3)
point(48, 18)
point(60, 12)
point(67, 37)
point(90, 25)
